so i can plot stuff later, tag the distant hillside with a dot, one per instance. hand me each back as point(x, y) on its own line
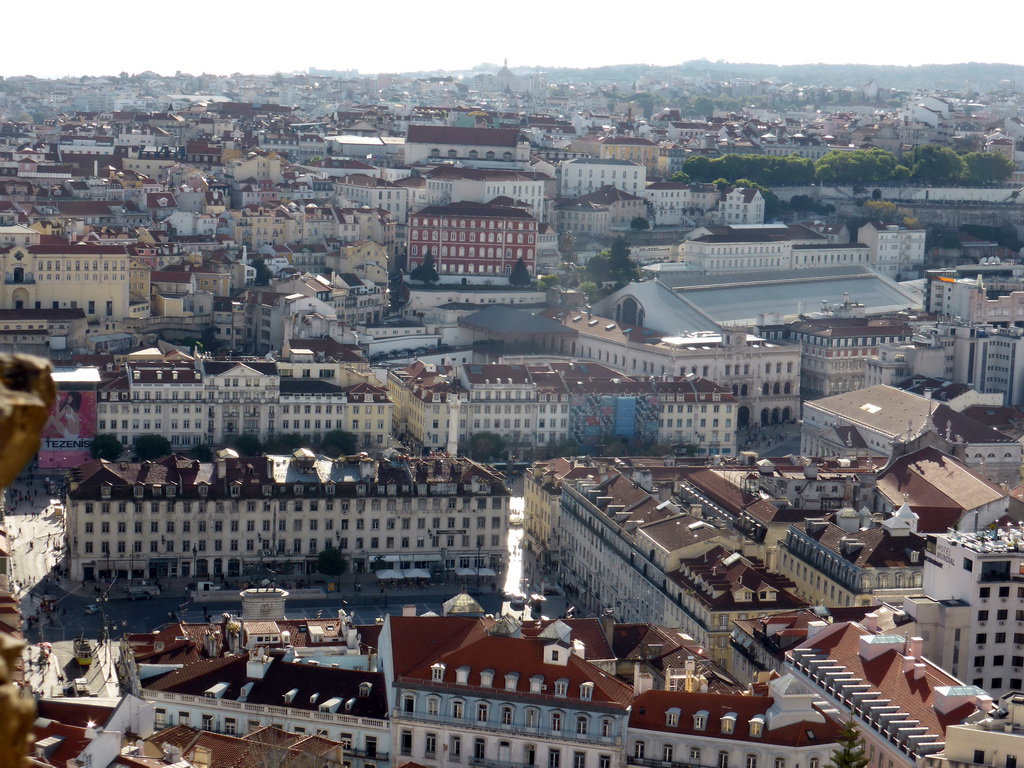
point(954, 77)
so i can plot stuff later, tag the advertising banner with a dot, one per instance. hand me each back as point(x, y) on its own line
point(69, 433)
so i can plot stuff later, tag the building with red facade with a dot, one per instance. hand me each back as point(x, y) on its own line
point(473, 238)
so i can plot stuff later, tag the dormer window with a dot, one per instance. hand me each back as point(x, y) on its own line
point(486, 678)
point(437, 673)
point(729, 722)
point(535, 683)
point(203, 490)
point(561, 687)
point(511, 681)
point(462, 675)
point(138, 490)
point(757, 725)
point(700, 720)
point(586, 691)
point(364, 689)
point(672, 717)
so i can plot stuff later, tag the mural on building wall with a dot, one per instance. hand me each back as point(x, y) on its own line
point(595, 417)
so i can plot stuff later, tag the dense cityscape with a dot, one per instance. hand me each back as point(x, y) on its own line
point(511, 418)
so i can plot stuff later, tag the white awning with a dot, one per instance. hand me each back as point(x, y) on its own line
point(487, 572)
point(390, 573)
point(417, 573)
point(465, 571)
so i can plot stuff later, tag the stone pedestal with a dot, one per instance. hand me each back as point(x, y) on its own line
point(264, 603)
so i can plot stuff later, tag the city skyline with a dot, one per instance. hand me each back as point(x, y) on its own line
point(450, 39)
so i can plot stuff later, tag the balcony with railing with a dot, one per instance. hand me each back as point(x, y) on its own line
point(495, 726)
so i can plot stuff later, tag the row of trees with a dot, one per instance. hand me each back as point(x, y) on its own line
point(927, 164)
point(149, 447)
point(426, 273)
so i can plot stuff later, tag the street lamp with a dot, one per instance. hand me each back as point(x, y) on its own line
point(101, 601)
point(194, 575)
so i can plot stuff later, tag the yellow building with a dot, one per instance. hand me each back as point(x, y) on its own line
point(138, 280)
point(632, 148)
point(428, 400)
point(364, 259)
point(542, 497)
point(94, 278)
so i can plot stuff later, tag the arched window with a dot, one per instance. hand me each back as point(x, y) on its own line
point(639, 748)
point(788, 389)
point(764, 389)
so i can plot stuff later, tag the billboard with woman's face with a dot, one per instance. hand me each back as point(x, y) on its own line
point(70, 430)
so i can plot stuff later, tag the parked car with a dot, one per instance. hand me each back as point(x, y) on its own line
point(140, 593)
point(92, 608)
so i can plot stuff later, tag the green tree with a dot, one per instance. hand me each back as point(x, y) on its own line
point(621, 268)
point(486, 446)
point(520, 275)
point(330, 562)
point(680, 177)
point(202, 452)
point(247, 445)
point(987, 168)
point(567, 447)
point(933, 164)
point(567, 246)
point(106, 447)
point(337, 442)
point(548, 281)
point(149, 447)
point(850, 750)
point(702, 106)
point(639, 223)
point(591, 290)
point(426, 272)
point(881, 209)
point(861, 166)
point(285, 442)
point(699, 168)
point(263, 274)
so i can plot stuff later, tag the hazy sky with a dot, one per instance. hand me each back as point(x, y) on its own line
point(259, 37)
